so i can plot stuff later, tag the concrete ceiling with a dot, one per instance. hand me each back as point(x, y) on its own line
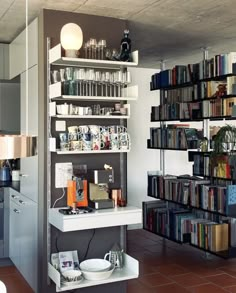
point(169, 30)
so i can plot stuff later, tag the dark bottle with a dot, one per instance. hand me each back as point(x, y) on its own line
point(125, 47)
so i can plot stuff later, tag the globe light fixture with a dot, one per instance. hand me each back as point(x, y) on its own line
point(71, 39)
point(3, 288)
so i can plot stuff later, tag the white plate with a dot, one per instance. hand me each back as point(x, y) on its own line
point(97, 276)
point(95, 265)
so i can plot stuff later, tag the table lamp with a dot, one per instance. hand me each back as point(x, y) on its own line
point(3, 288)
point(71, 39)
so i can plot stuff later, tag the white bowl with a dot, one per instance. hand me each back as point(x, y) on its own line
point(95, 265)
point(97, 276)
point(72, 275)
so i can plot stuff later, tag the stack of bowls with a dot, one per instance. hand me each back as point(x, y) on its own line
point(96, 269)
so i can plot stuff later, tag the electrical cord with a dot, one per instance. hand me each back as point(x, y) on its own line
point(56, 243)
point(63, 194)
point(86, 253)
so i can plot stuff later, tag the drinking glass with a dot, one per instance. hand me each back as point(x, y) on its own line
point(93, 45)
point(103, 82)
point(81, 79)
point(102, 46)
point(90, 78)
point(97, 82)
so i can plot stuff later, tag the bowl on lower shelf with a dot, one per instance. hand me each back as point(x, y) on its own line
point(95, 265)
point(71, 276)
point(97, 276)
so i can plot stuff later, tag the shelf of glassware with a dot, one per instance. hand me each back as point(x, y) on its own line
point(129, 93)
point(92, 116)
point(59, 152)
point(119, 216)
point(56, 58)
point(129, 271)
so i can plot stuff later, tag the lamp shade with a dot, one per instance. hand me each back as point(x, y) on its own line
point(71, 39)
point(3, 288)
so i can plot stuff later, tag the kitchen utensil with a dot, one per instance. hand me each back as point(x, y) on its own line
point(5, 174)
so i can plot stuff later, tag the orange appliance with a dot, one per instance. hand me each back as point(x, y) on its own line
point(77, 192)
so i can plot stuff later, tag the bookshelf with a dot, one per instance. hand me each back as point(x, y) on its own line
point(195, 210)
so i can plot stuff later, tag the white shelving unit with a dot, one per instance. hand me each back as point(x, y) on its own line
point(129, 271)
point(55, 58)
point(98, 219)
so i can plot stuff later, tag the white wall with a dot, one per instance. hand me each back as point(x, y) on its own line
point(141, 159)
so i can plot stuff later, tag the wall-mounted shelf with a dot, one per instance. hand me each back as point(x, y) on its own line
point(98, 219)
point(129, 271)
point(168, 149)
point(91, 152)
point(56, 58)
point(130, 93)
point(92, 116)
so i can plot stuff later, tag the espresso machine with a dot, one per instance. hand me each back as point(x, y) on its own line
point(98, 189)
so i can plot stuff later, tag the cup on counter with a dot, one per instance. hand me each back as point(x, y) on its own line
point(15, 175)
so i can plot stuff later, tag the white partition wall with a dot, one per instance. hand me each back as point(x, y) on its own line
point(140, 159)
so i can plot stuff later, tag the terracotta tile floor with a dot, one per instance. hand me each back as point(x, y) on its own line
point(13, 280)
point(165, 267)
point(168, 267)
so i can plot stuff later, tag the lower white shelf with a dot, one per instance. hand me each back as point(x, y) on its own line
point(129, 271)
point(98, 219)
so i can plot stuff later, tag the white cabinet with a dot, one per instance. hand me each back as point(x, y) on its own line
point(4, 61)
point(14, 233)
point(17, 50)
point(29, 177)
point(23, 236)
point(29, 166)
point(10, 107)
point(32, 113)
point(17, 54)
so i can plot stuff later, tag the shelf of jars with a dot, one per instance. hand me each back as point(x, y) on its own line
point(56, 58)
point(129, 271)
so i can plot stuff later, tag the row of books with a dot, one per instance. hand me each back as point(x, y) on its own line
point(218, 167)
point(210, 235)
point(181, 225)
point(174, 138)
point(200, 91)
point(195, 192)
point(169, 222)
point(180, 74)
point(194, 110)
point(177, 111)
point(218, 107)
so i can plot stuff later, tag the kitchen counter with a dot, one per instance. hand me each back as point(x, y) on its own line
point(13, 184)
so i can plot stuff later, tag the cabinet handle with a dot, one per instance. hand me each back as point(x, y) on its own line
point(15, 196)
point(24, 175)
point(22, 202)
point(16, 211)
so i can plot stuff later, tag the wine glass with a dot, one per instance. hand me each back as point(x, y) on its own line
point(97, 81)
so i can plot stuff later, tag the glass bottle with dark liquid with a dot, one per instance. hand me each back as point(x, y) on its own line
point(125, 47)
